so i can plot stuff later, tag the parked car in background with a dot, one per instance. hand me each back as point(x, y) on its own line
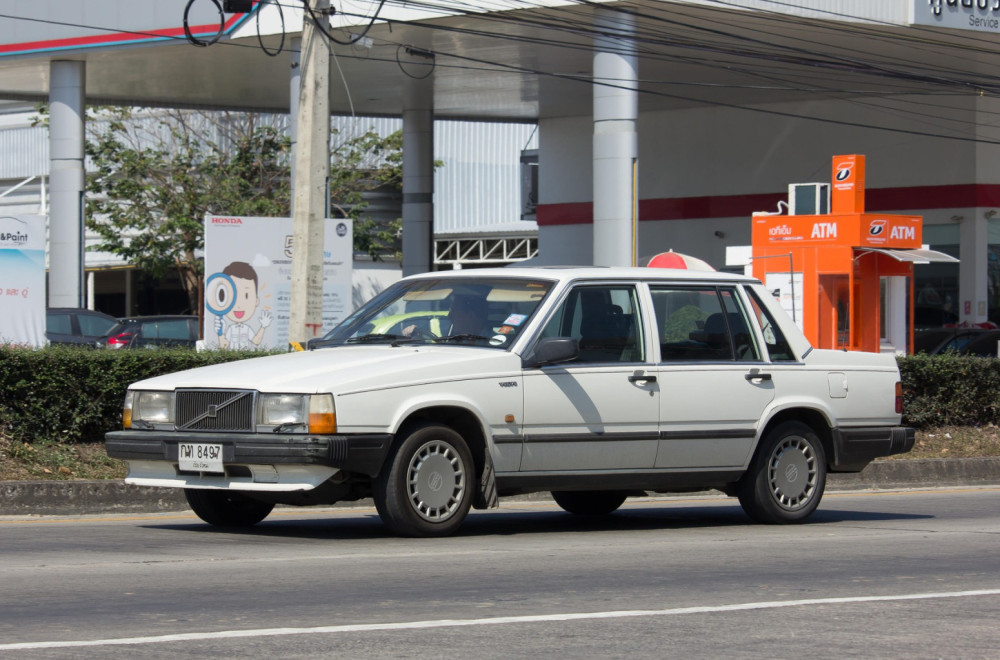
point(74, 326)
point(934, 341)
point(984, 345)
point(152, 332)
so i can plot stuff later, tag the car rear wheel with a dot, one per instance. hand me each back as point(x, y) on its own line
point(589, 503)
point(787, 477)
point(426, 486)
point(226, 508)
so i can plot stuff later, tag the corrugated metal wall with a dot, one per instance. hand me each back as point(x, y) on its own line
point(24, 152)
point(477, 185)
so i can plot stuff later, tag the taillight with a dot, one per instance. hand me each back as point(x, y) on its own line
point(899, 398)
point(120, 340)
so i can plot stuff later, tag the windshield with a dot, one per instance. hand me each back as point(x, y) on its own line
point(472, 311)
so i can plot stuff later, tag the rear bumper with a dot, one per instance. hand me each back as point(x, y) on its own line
point(854, 448)
point(362, 454)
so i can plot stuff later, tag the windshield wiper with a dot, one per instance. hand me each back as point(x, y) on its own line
point(465, 337)
point(364, 339)
point(288, 426)
point(395, 340)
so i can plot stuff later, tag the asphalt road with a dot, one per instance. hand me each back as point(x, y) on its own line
point(911, 574)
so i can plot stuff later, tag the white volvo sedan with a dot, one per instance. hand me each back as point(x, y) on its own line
point(450, 390)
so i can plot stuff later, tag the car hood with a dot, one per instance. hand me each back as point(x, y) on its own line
point(344, 369)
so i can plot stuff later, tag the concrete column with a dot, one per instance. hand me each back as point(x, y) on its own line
point(418, 176)
point(66, 179)
point(616, 153)
point(90, 290)
point(974, 230)
point(129, 292)
point(973, 278)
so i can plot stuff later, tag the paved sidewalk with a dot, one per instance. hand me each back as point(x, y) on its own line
point(18, 498)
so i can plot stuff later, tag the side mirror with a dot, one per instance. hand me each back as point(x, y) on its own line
point(552, 350)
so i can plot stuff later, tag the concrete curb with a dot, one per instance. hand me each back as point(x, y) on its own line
point(20, 498)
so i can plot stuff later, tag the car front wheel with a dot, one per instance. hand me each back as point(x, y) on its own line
point(787, 477)
point(426, 486)
point(226, 508)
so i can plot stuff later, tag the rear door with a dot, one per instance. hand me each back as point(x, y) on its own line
point(714, 384)
point(600, 411)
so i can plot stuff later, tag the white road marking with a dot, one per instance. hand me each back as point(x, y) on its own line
point(495, 621)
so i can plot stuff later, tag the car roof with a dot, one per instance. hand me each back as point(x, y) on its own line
point(78, 310)
point(571, 273)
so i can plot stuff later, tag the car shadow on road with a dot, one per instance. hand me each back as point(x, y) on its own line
point(364, 524)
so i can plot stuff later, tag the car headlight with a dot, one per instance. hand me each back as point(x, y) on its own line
point(313, 413)
point(144, 408)
point(278, 409)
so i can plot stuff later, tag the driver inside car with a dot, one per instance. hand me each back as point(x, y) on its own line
point(467, 314)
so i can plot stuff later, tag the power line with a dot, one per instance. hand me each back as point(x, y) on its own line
point(778, 67)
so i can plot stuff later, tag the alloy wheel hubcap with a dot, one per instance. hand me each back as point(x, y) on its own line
point(436, 481)
point(792, 473)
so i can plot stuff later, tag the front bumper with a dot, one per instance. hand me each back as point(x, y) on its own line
point(856, 447)
point(362, 453)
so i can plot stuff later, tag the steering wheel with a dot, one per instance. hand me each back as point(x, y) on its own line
point(416, 332)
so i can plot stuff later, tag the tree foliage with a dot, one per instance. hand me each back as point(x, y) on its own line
point(154, 174)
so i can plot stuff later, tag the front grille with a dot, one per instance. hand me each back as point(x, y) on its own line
point(215, 410)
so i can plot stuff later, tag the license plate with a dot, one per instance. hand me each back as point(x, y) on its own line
point(196, 457)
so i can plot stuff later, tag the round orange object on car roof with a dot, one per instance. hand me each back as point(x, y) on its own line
point(673, 259)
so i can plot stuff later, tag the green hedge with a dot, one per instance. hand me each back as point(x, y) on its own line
point(70, 394)
point(950, 390)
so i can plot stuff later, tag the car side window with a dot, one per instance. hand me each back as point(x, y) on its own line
point(94, 325)
point(774, 340)
point(59, 323)
point(174, 329)
point(149, 330)
point(604, 319)
point(701, 323)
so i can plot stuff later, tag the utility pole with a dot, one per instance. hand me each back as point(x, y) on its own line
point(312, 169)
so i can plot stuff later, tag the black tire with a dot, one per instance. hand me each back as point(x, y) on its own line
point(427, 483)
point(226, 508)
point(589, 503)
point(787, 477)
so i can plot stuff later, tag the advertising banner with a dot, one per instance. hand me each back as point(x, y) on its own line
point(22, 280)
point(248, 280)
point(855, 230)
point(848, 193)
point(978, 15)
point(787, 288)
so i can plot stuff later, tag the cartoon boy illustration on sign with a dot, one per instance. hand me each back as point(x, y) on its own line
point(233, 295)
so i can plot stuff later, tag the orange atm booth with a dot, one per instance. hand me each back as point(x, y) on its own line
point(846, 276)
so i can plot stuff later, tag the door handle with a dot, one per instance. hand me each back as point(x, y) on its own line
point(639, 378)
point(757, 376)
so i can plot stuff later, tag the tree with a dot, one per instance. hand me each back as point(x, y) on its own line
point(154, 175)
